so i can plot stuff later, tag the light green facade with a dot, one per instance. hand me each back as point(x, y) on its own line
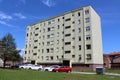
point(52, 40)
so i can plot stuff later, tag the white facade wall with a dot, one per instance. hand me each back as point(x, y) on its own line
point(52, 40)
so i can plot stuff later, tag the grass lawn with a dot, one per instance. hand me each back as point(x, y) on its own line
point(112, 71)
point(8, 74)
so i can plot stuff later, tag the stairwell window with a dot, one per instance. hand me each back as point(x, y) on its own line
point(89, 57)
point(88, 28)
point(88, 37)
point(88, 46)
point(87, 20)
point(87, 11)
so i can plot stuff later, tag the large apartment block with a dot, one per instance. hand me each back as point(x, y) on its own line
point(72, 38)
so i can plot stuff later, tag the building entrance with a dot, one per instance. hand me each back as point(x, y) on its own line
point(66, 62)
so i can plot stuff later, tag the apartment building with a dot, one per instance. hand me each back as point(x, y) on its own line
point(72, 38)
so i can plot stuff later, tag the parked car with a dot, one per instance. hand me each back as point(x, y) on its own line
point(62, 69)
point(26, 66)
point(50, 68)
point(36, 67)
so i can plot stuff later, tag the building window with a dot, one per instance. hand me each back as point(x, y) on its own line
point(57, 49)
point(51, 50)
point(53, 21)
point(80, 57)
point(87, 11)
point(79, 30)
point(79, 38)
point(73, 30)
point(51, 42)
point(58, 20)
point(67, 43)
point(62, 17)
point(73, 22)
point(89, 57)
point(52, 35)
point(79, 22)
point(68, 19)
point(88, 46)
point(87, 20)
point(88, 28)
point(48, 43)
point(38, 50)
point(36, 34)
point(27, 34)
point(73, 47)
point(49, 22)
point(36, 28)
point(73, 56)
point(66, 35)
point(73, 38)
point(79, 47)
point(48, 29)
point(35, 40)
point(66, 52)
point(67, 27)
point(57, 41)
point(42, 57)
point(62, 56)
point(57, 34)
point(57, 57)
point(47, 57)
point(58, 26)
point(88, 37)
point(43, 30)
point(52, 29)
point(48, 50)
point(43, 43)
point(48, 36)
point(78, 13)
point(51, 57)
point(63, 32)
point(43, 36)
point(62, 40)
point(73, 14)
point(42, 50)
point(35, 47)
point(34, 54)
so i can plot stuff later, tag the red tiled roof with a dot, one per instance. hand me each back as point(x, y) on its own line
point(114, 53)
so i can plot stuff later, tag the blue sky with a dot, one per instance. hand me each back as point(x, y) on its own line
point(15, 15)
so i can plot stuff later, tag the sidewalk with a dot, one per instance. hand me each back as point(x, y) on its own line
point(111, 74)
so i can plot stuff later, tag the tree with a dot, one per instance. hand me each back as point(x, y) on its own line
point(8, 49)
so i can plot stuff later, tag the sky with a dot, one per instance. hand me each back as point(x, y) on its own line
point(16, 15)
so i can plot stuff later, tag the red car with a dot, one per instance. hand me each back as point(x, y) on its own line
point(62, 69)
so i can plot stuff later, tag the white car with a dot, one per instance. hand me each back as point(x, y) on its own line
point(26, 66)
point(50, 68)
point(36, 67)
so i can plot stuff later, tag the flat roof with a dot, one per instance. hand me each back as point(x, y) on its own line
point(58, 15)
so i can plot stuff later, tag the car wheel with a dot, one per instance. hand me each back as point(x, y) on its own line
point(46, 69)
point(39, 69)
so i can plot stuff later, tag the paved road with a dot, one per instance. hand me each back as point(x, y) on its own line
point(111, 74)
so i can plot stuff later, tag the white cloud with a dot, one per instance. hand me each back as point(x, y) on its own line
point(6, 24)
point(19, 15)
point(4, 16)
point(48, 3)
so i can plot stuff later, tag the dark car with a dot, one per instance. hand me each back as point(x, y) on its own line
point(62, 69)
